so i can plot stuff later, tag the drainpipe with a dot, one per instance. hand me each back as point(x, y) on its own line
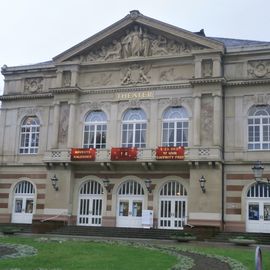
point(223, 164)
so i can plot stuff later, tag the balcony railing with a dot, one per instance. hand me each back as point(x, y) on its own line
point(145, 154)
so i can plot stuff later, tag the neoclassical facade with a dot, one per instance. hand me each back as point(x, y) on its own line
point(123, 128)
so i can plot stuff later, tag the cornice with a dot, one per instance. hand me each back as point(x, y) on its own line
point(24, 97)
point(219, 80)
point(247, 82)
point(134, 88)
point(65, 90)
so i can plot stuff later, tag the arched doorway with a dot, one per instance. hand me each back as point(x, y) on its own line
point(23, 203)
point(90, 204)
point(172, 206)
point(130, 203)
point(258, 208)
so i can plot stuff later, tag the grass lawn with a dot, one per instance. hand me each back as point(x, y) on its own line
point(71, 255)
point(55, 255)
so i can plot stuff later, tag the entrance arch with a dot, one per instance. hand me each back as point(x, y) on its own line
point(23, 203)
point(172, 206)
point(90, 204)
point(130, 203)
point(258, 208)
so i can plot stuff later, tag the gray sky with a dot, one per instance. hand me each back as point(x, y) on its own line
point(33, 31)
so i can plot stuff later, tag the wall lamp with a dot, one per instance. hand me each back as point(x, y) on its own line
point(107, 185)
point(54, 180)
point(148, 185)
point(202, 182)
point(258, 172)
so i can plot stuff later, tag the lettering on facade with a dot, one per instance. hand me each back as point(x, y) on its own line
point(83, 154)
point(170, 153)
point(134, 95)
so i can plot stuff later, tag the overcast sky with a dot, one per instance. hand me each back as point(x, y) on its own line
point(33, 31)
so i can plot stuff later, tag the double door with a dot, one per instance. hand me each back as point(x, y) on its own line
point(23, 208)
point(172, 213)
point(129, 212)
point(90, 211)
point(258, 216)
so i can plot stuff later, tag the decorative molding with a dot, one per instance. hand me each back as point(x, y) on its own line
point(248, 82)
point(218, 80)
point(33, 85)
point(65, 90)
point(26, 96)
point(258, 99)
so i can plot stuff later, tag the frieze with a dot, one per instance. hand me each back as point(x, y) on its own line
point(138, 41)
point(134, 103)
point(135, 74)
point(259, 69)
point(100, 79)
point(33, 85)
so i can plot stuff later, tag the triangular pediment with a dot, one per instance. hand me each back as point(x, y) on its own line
point(137, 36)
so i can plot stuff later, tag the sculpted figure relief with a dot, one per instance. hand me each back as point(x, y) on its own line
point(138, 42)
point(33, 85)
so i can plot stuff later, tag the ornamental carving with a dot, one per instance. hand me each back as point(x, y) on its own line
point(259, 69)
point(28, 111)
point(169, 75)
point(137, 41)
point(207, 68)
point(100, 79)
point(33, 85)
point(135, 74)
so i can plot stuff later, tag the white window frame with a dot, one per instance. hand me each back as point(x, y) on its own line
point(133, 122)
point(97, 121)
point(258, 127)
point(175, 116)
point(29, 135)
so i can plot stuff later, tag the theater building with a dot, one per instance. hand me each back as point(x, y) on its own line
point(141, 116)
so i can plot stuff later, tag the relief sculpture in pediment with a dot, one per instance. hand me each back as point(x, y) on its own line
point(138, 42)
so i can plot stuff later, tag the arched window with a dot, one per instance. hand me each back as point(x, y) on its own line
point(95, 130)
point(259, 128)
point(29, 139)
point(134, 128)
point(175, 127)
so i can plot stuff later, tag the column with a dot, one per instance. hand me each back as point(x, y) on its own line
point(198, 68)
point(217, 119)
point(59, 78)
point(197, 120)
point(56, 117)
point(216, 67)
point(153, 126)
point(71, 127)
point(74, 76)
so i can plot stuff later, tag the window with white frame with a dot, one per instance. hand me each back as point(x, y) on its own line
point(175, 127)
point(29, 137)
point(134, 128)
point(95, 130)
point(259, 128)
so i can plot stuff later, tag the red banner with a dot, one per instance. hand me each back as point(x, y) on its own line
point(83, 154)
point(124, 153)
point(170, 153)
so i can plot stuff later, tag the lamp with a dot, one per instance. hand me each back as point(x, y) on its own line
point(148, 185)
point(202, 183)
point(106, 183)
point(54, 180)
point(258, 172)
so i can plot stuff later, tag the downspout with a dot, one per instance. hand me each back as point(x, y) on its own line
point(223, 164)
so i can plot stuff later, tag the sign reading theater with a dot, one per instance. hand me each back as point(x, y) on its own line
point(170, 153)
point(83, 154)
point(134, 95)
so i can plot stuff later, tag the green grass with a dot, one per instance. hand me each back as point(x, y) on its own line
point(242, 254)
point(86, 255)
point(112, 256)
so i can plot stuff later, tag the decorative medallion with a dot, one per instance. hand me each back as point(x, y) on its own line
point(33, 85)
point(259, 69)
point(135, 74)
